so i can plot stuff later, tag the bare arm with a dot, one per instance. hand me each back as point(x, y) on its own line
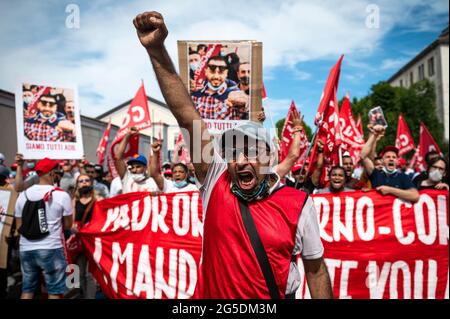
point(67, 221)
point(155, 170)
point(152, 32)
point(18, 180)
point(118, 159)
point(411, 195)
point(315, 176)
point(318, 279)
point(294, 150)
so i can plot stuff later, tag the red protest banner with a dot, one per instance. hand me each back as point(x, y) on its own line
point(101, 150)
point(382, 247)
point(404, 141)
point(143, 246)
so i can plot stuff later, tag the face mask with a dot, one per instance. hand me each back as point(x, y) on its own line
point(85, 190)
point(180, 184)
point(28, 99)
point(30, 165)
point(194, 66)
point(435, 176)
point(191, 180)
point(389, 172)
point(138, 177)
point(261, 191)
point(245, 80)
point(216, 88)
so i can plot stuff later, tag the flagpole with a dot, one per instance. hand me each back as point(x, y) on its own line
point(313, 138)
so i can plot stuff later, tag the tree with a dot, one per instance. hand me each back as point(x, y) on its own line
point(416, 103)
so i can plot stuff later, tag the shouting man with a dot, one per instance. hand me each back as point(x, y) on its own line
point(241, 194)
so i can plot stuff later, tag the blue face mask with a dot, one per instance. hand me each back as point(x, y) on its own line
point(180, 184)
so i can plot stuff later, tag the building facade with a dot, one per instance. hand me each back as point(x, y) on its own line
point(432, 64)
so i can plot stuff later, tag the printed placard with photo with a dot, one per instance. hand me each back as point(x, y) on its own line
point(376, 116)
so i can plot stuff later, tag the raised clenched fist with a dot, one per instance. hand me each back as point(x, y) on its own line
point(237, 99)
point(66, 126)
point(156, 147)
point(151, 29)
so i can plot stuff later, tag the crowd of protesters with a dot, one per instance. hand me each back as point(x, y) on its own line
point(233, 183)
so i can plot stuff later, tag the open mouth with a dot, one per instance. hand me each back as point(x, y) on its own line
point(246, 179)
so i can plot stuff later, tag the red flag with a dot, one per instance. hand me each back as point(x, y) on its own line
point(199, 74)
point(138, 116)
point(329, 129)
point(359, 125)
point(426, 145)
point(352, 140)
point(404, 142)
point(286, 135)
point(103, 143)
point(181, 153)
point(264, 94)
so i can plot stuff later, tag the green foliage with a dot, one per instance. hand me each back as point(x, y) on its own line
point(417, 104)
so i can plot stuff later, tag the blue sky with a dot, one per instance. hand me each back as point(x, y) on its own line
point(301, 42)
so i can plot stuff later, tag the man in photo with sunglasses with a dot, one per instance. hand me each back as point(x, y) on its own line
point(220, 97)
point(49, 125)
point(241, 196)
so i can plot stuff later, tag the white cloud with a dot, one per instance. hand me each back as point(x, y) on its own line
point(391, 64)
point(105, 59)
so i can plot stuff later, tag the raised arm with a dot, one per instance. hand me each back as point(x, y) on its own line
point(367, 150)
point(152, 32)
point(155, 169)
point(118, 159)
point(18, 180)
point(294, 150)
point(315, 176)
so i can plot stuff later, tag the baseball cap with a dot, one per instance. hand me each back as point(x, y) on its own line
point(255, 132)
point(45, 165)
point(137, 158)
point(388, 148)
point(2, 157)
point(167, 171)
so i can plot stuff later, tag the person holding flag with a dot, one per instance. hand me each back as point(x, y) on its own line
point(241, 195)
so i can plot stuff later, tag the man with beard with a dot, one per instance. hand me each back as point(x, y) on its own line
point(69, 109)
point(349, 167)
point(49, 125)
point(337, 181)
point(388, 181)
point(241, 195)
point(220, 98)
point(244, 77)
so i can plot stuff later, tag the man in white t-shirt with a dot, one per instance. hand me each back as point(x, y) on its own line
point(46, 254)
point(180, 174)
point(135, 174)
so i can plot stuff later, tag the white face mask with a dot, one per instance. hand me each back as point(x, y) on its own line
point(28, 99)
point(435, 176)
point(138, 177)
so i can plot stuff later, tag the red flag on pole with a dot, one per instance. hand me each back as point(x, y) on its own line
point(427, 144)
point(287, 137)
point(138, 115)
point(264, 94)
point(352, 140)
point(404, 141)
point(327, 118)
point(101, 150)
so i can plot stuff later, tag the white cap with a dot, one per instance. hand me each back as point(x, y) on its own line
point(2, 157)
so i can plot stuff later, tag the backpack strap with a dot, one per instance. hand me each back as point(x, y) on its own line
point(259, 250)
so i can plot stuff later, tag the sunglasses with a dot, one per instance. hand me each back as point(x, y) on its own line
point(48, 103)
point(84, 181)
point(213, 68)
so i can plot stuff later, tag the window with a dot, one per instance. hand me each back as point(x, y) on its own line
point(421, 72)
point(411, 78)
point(431, 66)
point(401, 83)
